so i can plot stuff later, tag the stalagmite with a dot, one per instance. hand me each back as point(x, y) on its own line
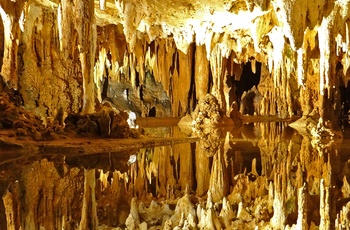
point(226, 212)
point(132, 222)
point(183, 211)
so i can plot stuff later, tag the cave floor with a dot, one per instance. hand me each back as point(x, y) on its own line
point(169, 173)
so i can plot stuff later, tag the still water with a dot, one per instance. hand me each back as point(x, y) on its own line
point(257, 176)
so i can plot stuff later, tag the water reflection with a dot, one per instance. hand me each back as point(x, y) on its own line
point(261, 174)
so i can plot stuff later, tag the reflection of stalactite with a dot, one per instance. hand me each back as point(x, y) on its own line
point(202, 171)
point(12, 207)
point(89, 218)
point(163, 165)
point(186, 171)
point(218, 185)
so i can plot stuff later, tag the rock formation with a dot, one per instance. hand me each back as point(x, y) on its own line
point(82, 65)
point(70, 53)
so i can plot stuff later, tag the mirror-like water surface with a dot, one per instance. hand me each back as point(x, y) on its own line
point(261, 174)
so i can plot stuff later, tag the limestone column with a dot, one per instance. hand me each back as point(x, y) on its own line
point(86, 29)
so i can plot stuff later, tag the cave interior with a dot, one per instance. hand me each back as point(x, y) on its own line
point(247, 101)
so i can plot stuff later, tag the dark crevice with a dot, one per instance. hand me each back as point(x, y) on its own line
point(248, 80)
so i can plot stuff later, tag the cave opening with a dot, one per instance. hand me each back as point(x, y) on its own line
point(152, 112)
point(246, 87)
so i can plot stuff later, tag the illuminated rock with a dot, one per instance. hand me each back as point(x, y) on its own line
point(166, 58)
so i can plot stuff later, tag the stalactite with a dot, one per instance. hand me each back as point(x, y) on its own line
point(344, 47)
point(183, 78)
point(129, 24)
point(10, 12)
point(132, 70)
point(86, 29)
point(102, 4)
point(276, 55)
point(301, 66)
point(165, 51)
point(218, 70)
point(324, 45)
point(201, 72)
point(140, 56)
point(100, 72)
point(66, 27)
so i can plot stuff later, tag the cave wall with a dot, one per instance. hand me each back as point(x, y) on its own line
point(61, 53)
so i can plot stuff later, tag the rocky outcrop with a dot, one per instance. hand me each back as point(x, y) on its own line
point(23, 124)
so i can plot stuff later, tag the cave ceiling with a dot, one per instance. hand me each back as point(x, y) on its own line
point(191, 47)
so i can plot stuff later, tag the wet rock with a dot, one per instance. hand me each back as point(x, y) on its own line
point(209, 142)
point(207, 112)
point(10, 146)
point(107, 122)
